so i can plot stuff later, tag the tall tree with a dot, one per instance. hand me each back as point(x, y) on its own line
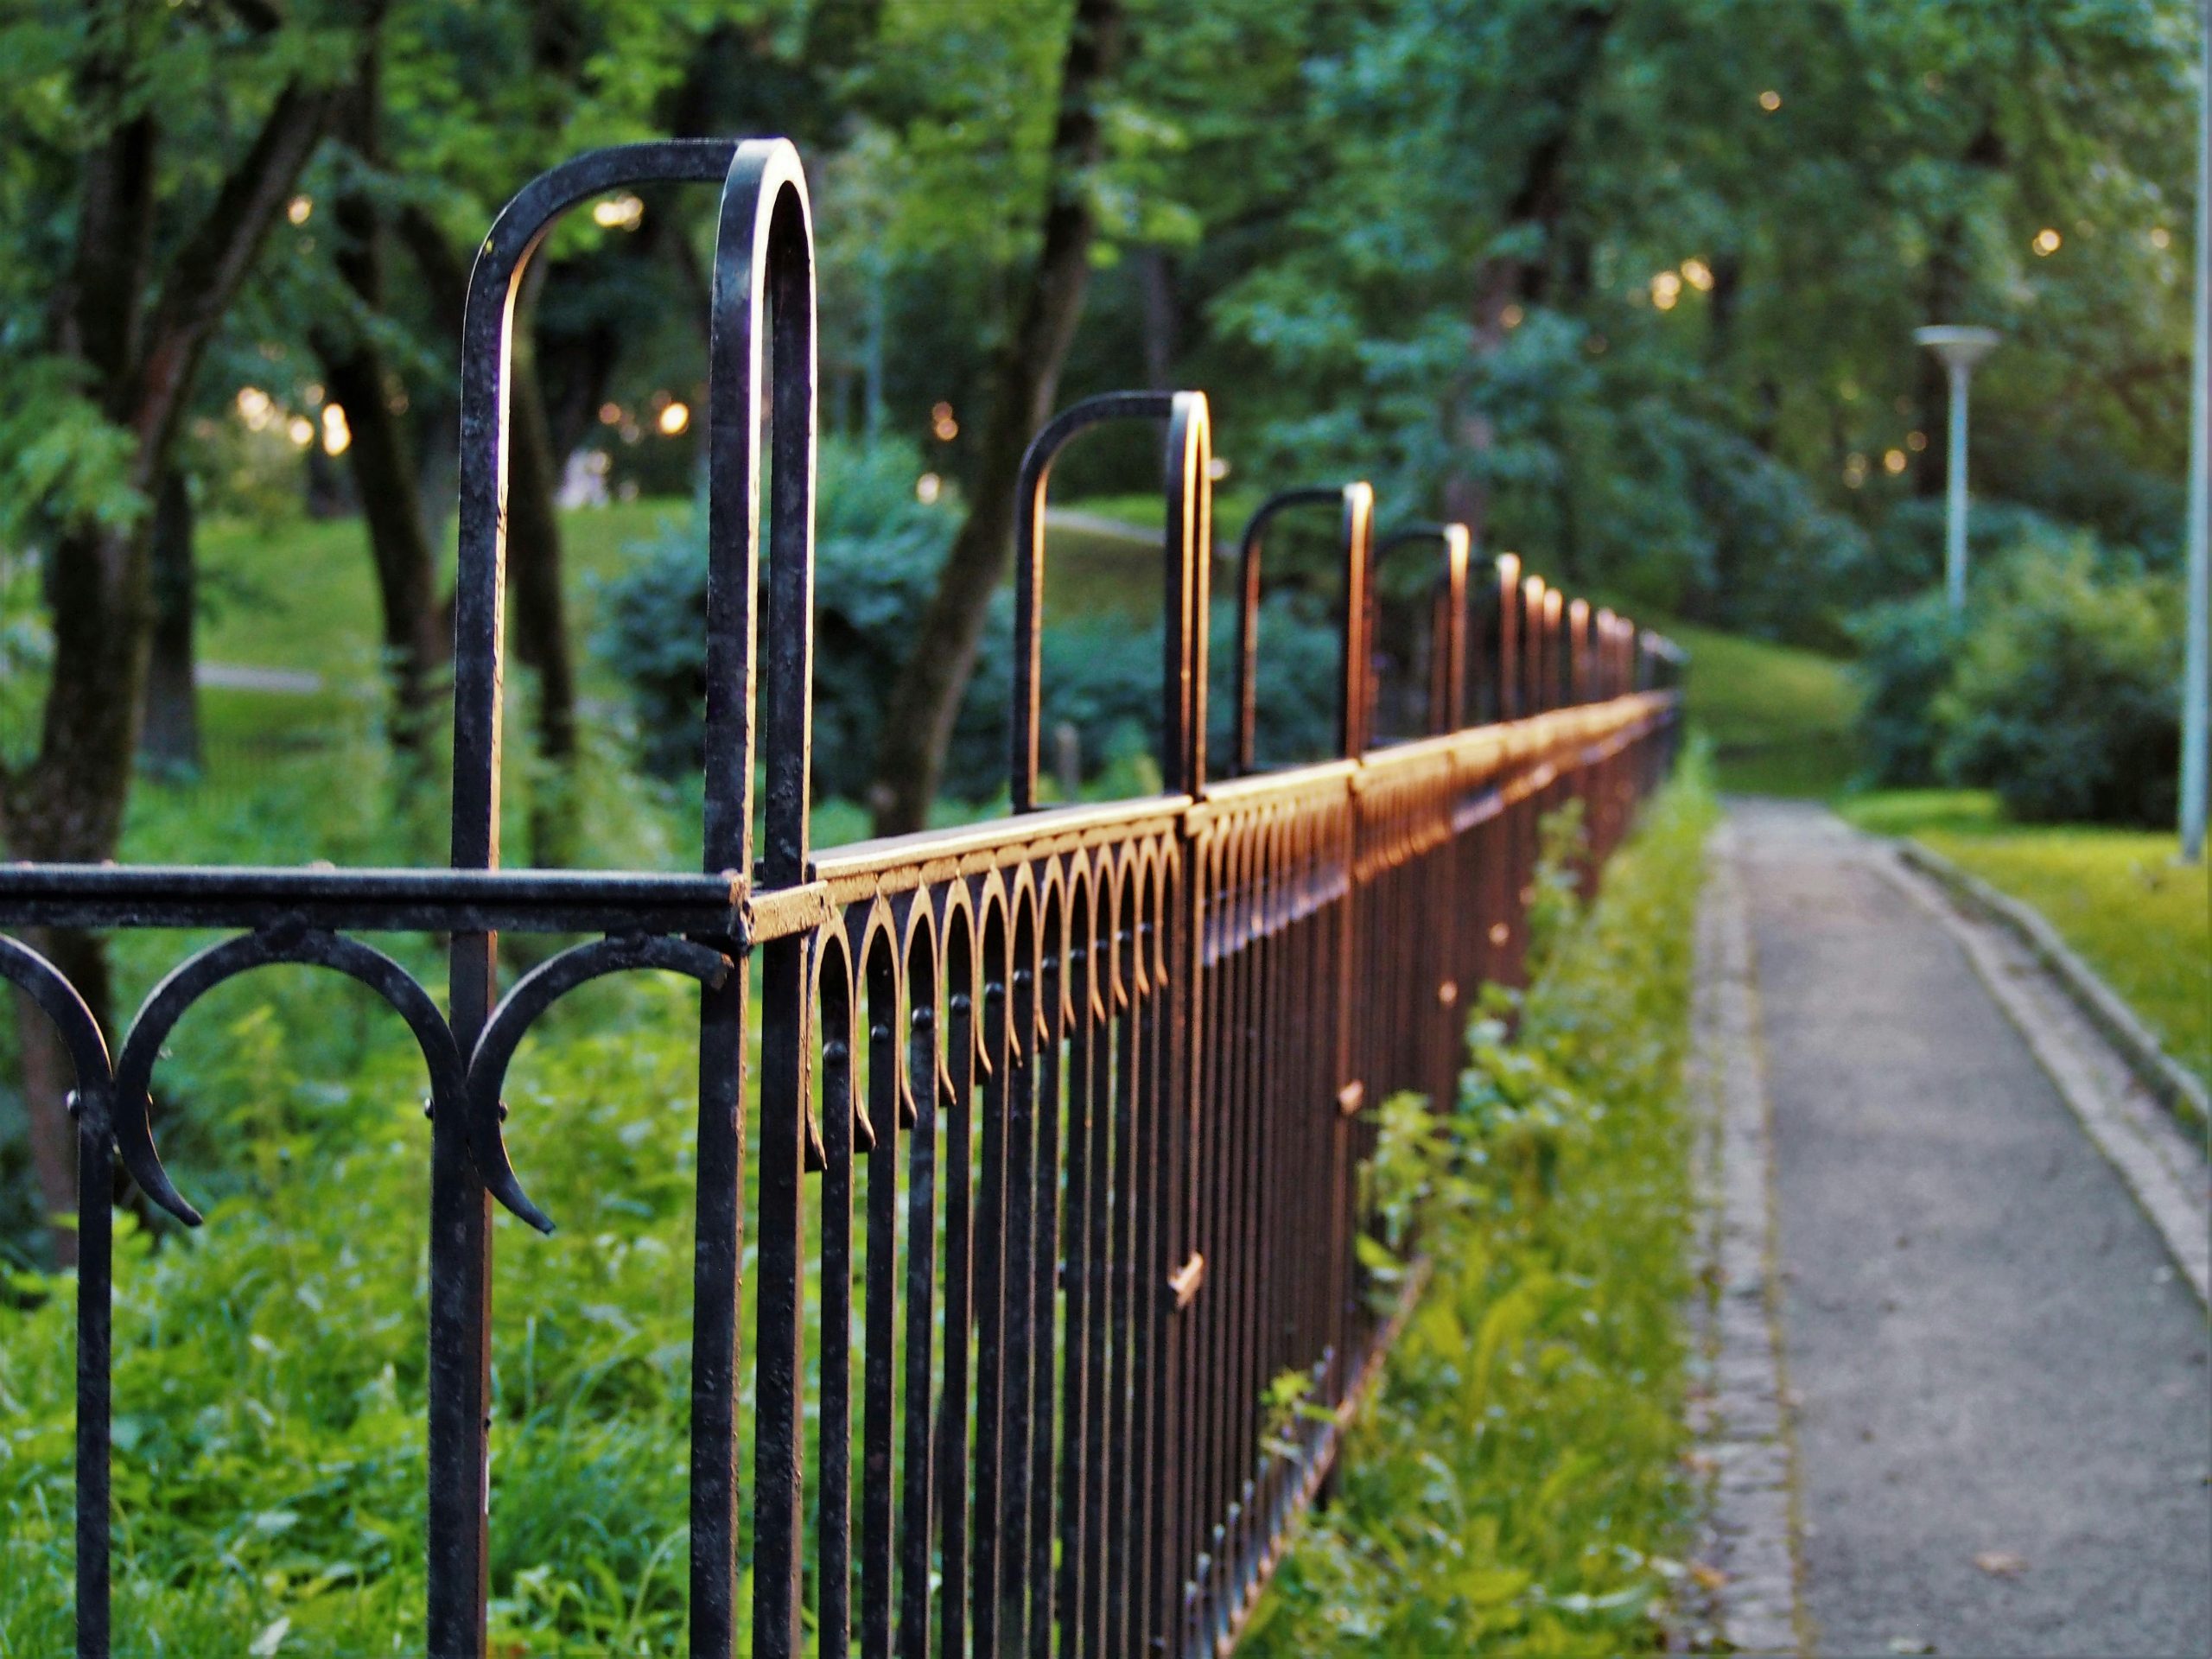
point(1023, 379)
point(153, 266)
point(430, 146)
point(361, 382)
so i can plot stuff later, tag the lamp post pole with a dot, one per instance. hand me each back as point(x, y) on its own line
point(2196, 674)
point(1960, 348)
point(1954, 501)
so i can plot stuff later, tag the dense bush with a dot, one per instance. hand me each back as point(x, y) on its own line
point(1906, 652)
point(877, 551)
point(1776, 544)
point(2060, 690)
point(2066, 699)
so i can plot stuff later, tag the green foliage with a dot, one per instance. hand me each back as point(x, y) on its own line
point(1559, 266)
point(63, 461)
point(877, 551)
point(2065, 698)
point(66, 448)
point(1516, 1489)
point(2059, 690)
point(1906, 653)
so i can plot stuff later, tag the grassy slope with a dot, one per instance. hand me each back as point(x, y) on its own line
point(1779, 718)
point(2117, 896)
point(303, 595)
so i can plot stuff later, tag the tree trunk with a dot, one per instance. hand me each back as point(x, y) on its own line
point(407, 593)
point(539, 618)
point(67, 805)
point(1156, 273)
point(169, 738)
point(1023, 379)
point(414, 642)
point(49, 1078)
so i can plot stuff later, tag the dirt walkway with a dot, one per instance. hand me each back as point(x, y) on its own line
point(2003, 1418)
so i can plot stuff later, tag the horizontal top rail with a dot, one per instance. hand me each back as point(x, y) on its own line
point(371, 900)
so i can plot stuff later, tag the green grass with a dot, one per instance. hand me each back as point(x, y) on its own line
point(1779, 718)
point(1149, 511)
point(1518, 1488)
point(2116, 896)
point(303, 595)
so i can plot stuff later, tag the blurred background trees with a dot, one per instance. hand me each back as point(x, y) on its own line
point(1630, 288)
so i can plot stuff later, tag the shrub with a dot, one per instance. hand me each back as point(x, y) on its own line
point(2064, 699)
point(877, 552)
point(1783, 560)
point(1906, 652)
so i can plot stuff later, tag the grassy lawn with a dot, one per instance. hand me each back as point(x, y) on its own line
point(303, 595)
point(1149, 511)
point(2116, 896)
point(300, 597)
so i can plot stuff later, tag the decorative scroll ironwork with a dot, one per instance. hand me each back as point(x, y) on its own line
point(1104, 1067)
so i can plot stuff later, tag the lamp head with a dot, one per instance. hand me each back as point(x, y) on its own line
point(1960, 347)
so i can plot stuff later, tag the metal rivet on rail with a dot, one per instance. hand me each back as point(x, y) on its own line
point(1185, 1279)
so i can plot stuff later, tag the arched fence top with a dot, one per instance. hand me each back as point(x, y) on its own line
point(1186, 560)
point(1355, 504)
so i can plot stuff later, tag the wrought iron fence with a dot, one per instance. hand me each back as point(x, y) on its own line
point(1075, 1099)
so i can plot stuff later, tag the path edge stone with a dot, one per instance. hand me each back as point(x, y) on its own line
point(1748, 1564)
point(2169, 1083)
point(2160, 1164)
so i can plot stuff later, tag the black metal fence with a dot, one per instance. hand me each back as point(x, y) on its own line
point(1058, 1119)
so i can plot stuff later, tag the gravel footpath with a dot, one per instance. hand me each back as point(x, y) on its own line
point(2002, 1388)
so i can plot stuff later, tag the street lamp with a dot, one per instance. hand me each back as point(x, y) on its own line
point(2197, 685)
point(1960, 348)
